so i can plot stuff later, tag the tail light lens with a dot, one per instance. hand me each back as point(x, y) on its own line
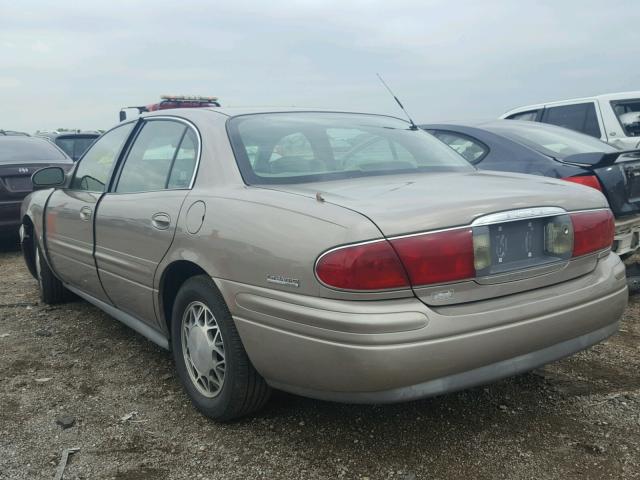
point(464, 253)
point(558, 236)
point(437, 257)
point(586, 180)
point(592, 231)
point(369, 266)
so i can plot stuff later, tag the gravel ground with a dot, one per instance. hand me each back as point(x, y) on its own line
point(576, 419)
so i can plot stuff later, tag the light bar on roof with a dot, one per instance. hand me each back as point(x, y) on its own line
point(188, 98)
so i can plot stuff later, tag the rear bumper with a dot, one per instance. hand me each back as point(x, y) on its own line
point(627, 237)
point(460, 381)
point(397, 350)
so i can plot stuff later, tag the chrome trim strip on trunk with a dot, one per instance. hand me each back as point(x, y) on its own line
point(518, 214)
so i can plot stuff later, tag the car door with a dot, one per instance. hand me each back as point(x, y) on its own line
point(69, 214)
point(136, 220)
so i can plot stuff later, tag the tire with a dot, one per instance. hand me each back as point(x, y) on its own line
point(203, 327)
point(633, 277)
point(51, 289)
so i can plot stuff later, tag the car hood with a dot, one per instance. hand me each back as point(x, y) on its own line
point(400, 204)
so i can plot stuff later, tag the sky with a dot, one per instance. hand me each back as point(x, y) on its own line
point(75, 64)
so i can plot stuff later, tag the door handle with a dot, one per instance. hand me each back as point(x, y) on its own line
point(161, 221)
point(85, 213)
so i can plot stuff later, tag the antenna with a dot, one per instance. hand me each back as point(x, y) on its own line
point(413, 125)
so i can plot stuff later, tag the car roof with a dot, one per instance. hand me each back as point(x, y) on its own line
point(480, 124)
point(238, 111)
point(604, 97)
point(487, 127)
point(488, 124)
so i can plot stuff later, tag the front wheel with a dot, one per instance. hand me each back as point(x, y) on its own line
point(210, 359)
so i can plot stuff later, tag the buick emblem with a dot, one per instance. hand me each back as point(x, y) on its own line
point(23, 170)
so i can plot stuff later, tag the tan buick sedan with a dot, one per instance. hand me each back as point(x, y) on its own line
point(341, 256)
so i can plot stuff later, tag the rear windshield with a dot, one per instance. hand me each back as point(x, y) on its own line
point(29, 150)
point(553, 141)
point(307, 147)
point(75, 146)
point(628, 112)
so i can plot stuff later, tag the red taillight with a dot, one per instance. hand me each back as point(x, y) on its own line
point(437, 257)
point(451, 255)
point(586, 180)
point(369, 266)
point(592, 231)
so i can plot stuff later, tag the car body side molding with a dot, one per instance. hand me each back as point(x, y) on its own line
point(132, 322)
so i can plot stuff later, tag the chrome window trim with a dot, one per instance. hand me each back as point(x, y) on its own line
point(189, 124)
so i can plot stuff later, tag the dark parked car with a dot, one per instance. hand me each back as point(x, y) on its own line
point(74, 143)
point(540, 149)
point(20, 157)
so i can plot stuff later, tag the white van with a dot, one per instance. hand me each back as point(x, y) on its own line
point(613, 118)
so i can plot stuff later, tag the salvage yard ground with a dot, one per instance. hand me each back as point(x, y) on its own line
point(576, 419)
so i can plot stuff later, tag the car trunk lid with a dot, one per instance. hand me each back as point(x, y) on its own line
point(402, 205)
point(619, 176)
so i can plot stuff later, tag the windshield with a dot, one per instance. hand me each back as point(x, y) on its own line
point(553, 141)
point(308, 147)
point(29, 150)
point(628, 113)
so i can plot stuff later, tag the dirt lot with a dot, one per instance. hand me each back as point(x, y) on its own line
point(576, 419)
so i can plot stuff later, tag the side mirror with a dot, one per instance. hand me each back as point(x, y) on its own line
point(48, 177)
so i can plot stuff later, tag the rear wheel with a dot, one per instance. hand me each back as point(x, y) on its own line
point(633, 277)
point(51, 289)
point(210, 358)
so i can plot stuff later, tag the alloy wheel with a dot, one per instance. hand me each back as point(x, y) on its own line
point(203, 349)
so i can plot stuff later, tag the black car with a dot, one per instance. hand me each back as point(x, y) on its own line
point(541, 149)
point(73, 142)
point(20, 157)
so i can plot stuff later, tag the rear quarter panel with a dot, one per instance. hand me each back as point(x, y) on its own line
point(249, 234)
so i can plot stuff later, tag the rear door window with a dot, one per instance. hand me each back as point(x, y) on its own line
point(531, 116)
point(163, 156)
point(471, 149)
point(581, 117)
point(185, 162)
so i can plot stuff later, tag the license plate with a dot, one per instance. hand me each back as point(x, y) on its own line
point(517, 245)
point(19, 184)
